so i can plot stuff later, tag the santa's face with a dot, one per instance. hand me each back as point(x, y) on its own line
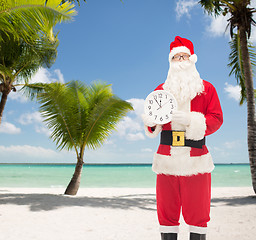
point(180, 57)
point(183, 79)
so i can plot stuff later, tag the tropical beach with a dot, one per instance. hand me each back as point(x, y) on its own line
point(105, 211)
point(76, 142)
point(114, 213)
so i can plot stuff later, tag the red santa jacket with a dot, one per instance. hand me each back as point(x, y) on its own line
point(206, 118)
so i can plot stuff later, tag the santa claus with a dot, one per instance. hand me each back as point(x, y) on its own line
point(184, 171)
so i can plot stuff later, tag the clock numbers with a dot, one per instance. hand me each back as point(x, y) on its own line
point(159, 106)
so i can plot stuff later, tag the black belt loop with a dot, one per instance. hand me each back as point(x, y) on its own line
point(167, 139)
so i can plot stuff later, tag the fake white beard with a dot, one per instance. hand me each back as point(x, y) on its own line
point(183, 81)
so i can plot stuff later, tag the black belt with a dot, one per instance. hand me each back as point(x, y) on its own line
point(177, 139)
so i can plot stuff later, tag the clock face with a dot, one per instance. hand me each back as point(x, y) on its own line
point(159, 106)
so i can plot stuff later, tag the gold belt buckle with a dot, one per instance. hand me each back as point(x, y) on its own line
point(178, 138)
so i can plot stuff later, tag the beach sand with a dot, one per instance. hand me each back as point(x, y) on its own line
point(114, 214)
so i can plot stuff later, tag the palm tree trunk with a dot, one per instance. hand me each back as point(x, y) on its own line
point(3, 103)
point(74, 184)
point(251, 122)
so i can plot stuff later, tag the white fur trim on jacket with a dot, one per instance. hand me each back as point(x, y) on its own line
point(197, 127)
point(182, 165)
point(153, 134)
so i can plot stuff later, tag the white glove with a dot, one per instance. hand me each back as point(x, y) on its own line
point(181, 117)
point(147, 121)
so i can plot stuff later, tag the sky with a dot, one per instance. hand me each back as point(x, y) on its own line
point(126, 44)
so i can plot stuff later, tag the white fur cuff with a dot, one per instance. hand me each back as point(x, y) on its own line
point(169, 229)
point(153, 134)
point(146, 120)
point(199, 230)
point(196, 129)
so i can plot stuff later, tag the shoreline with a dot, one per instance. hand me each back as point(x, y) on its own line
point(106, 164)
point(47, 189)
point(114, 213)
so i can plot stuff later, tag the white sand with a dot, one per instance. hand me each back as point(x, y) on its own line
point(114, 214)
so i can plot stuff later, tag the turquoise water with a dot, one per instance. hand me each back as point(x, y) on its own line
point(14, 175)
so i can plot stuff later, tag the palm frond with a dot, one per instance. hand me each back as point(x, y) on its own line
point(236, 63)
point(79, 108)
point(212, 7)
point(20, 60)
point(81, 115)
point(31, 90)
point(240, 11)
point(103, 120)
point(56, 107)
point(33, 19)
point(78, 2)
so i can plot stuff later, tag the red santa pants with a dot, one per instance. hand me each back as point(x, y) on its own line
point(192, 194)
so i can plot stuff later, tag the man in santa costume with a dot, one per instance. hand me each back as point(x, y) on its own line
point(184, 172)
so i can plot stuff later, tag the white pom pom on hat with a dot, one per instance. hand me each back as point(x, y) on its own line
point(182, 45)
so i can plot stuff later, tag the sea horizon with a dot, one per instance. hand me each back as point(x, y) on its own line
point(117, 164)
point(42, 175)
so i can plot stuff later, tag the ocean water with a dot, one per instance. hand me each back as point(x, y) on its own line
point(133, 176)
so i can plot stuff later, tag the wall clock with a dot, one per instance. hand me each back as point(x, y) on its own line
point(159, 106)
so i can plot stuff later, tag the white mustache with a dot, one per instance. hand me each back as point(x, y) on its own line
point(179, 66)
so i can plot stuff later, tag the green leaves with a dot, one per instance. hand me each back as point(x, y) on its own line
point(31, 90)
point(19, 60)
point(212, 6)
point(240, 12)
point(32, 19)
point(78, 1)
point(81, 115)
point(241, 19)
point(27, 41)
point(236, 63)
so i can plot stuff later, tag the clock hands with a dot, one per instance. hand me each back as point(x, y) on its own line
point(163, 105)
point(158, 103)
point(159, 106)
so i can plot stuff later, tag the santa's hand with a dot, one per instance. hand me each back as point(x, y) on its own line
point(147, 121)
point(181, 118)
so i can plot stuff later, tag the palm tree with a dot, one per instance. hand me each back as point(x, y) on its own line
point(80, 116)
point(25, 48)
point(32, 19)
point(241, 20)
point(19, 60)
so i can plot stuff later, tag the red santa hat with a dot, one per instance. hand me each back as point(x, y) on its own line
point(182, 45)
